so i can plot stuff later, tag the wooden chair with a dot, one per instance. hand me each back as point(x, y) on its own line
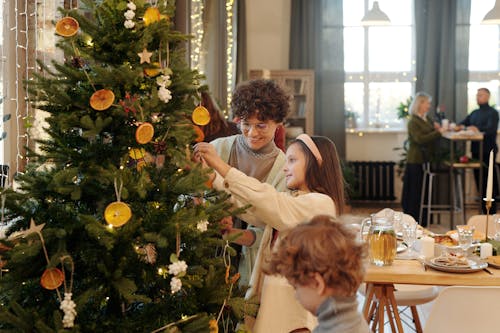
point(460, 309)
point(479, 221)
point(408, 295)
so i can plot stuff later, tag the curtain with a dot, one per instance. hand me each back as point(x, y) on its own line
point(442, 36)
point(241, 42)
point(316, 42)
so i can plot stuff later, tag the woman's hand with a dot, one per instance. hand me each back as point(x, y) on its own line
point(206, 153)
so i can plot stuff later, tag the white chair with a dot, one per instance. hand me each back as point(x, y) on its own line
point(479, 222)
point(461, 309)
point(410, 295)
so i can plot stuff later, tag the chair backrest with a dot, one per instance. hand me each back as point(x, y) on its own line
point(479, 221)
point(460, 309)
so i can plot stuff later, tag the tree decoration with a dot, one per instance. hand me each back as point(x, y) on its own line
point(201, 116)
point(151, 15)
point(67, 26)
point(52, 278)
point(102, 99)
point(154, 70)
point(200, 135)
point(129, 15)
point(144, 133)
point(117, 213)
point(145, 56)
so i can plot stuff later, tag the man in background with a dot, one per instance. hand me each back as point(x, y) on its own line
point(484, 119)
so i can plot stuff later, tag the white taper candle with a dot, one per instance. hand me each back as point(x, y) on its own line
point(489, 184)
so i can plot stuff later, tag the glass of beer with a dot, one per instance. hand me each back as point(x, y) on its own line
point(381, 241)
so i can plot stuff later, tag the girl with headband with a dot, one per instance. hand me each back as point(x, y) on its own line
point(314, 176)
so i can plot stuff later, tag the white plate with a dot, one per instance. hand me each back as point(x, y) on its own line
point(475, 264)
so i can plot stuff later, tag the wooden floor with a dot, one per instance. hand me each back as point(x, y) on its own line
point(440, 224)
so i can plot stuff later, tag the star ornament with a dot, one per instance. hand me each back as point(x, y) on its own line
point(145, 56)
point(32, 229)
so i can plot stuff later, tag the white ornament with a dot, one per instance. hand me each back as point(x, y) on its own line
point(163, 80)
point(129, 24)
point(175, 285)
point(202, 225)
point(69, 309)
point(131, 6)
point(164, 94)
point(129, 14)
point(177, 267)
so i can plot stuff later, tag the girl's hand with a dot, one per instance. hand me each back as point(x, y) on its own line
point(226, 224)
point(206, 152)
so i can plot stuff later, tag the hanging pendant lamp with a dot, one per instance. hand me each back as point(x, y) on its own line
point(375, 16)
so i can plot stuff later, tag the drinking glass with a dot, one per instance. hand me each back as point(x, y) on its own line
point(496, 226)
point(465, 233)
point(397, 220)
point(409, 231)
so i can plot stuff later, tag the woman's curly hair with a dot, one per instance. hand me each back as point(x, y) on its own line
point(262, 98)
point(322, 246)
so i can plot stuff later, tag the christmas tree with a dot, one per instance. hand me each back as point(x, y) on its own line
point(114, 226)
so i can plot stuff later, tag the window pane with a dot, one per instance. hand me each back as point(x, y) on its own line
point(353, 49)
point(384, 100)
point(353, 99)
point(390, 49)
point(353, 12)
point(478, 9)
point(483, 47)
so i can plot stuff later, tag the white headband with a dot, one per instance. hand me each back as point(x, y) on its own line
point(312, 147)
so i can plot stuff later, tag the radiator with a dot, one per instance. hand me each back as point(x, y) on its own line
point(373, 181)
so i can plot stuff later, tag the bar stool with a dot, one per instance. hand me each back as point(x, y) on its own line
point(427, 190)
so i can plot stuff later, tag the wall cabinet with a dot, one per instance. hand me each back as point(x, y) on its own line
point(300, 84)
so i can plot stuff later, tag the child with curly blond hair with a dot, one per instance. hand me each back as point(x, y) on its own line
point(324, 262)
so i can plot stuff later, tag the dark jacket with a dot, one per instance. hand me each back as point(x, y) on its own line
point(486, 120)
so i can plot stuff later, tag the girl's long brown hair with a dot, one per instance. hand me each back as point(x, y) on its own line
point(327, 178)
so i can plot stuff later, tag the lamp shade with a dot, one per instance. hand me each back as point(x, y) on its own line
point(375, 16)
point(493, 16)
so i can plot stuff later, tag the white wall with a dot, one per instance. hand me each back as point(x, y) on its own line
point(268, 33)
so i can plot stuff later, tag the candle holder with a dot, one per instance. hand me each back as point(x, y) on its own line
point(488, 207)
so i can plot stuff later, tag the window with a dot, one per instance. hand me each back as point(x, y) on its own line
point(378, 61)
point(484, 59)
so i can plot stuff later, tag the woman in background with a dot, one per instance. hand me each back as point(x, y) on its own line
point(218, 126)
point(423, 135)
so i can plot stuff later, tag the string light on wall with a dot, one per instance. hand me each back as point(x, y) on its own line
point(198, 31)
point(229, 50)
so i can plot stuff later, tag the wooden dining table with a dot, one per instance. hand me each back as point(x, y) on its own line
point(380, 282)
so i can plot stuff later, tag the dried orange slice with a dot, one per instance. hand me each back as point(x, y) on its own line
point(200, 116)
point(144, 133)
point(137, 153)
point(102, 99)
point(117, 213)
point(52, 278)
point(152, 71)
point(151, 15)
point(67, 26)
point(200, 136)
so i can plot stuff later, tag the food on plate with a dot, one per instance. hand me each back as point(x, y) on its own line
point(477, 236)
point(493, 261)
point(444, 240)
point(451, 260)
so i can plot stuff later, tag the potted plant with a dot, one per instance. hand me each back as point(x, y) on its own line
point(404, 109)
point(350, 119)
